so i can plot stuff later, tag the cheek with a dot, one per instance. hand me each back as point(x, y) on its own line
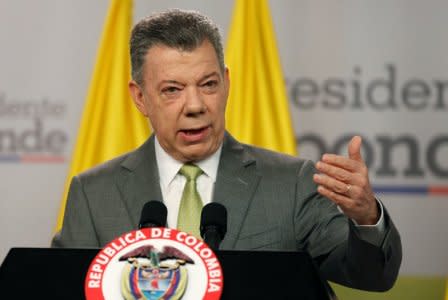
point(166, 119)
point(156, 116)
point(221, 110)
point(217, 105)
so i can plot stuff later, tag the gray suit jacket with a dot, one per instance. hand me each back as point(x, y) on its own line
point(271, 201)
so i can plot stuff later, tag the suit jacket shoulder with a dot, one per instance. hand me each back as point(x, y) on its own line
point(106, 201)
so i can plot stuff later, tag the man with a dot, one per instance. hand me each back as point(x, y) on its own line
point(274, 201)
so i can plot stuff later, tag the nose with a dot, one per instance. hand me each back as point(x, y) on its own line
point(194, 102)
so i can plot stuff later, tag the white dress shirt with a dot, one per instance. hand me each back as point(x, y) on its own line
point(172, 183)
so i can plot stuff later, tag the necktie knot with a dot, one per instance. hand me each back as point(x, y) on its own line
point(190, 171)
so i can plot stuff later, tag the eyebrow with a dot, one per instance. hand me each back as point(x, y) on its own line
point(205, 77)
point(169, 81)
point(214, 73)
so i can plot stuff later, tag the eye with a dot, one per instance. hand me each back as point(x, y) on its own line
point(210, 86)
point(211, 83)
point(170, 90)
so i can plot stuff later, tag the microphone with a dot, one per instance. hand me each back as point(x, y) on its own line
point(153, 215)
point(213, 224)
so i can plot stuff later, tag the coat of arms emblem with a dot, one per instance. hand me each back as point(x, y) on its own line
point(151, 274)
point(154, 264)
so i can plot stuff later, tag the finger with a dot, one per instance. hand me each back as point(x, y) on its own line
point(341, 200)
point(338, 173)
point(332, 184)
point(342, 162)
point(354, 148)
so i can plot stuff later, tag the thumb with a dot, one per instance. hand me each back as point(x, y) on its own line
point(354, 148)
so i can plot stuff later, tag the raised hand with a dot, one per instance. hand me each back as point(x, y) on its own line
point(345, 181)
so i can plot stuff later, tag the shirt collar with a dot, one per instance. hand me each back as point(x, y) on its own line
point(169, 167)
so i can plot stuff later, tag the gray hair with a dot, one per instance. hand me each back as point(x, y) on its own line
point(175, 28)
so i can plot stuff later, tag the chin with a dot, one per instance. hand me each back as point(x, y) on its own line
point(197, 154)
point(196, 157)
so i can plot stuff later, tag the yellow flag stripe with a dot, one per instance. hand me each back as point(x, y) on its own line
point(446, 291)
point(257, 111)
point(110, 124)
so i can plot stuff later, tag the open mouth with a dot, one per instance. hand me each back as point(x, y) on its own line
point(193, 131)
point(194, 135)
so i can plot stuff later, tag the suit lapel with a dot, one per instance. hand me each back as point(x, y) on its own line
point(236, 183)
point(138, 180)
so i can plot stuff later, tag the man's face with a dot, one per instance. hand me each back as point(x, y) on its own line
point(184, 96)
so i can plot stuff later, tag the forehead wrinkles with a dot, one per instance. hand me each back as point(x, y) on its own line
point(164, 63)
point(188, 74)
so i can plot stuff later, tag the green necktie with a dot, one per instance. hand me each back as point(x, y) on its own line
point(190, 208)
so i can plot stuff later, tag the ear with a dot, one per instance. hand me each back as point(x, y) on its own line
point(227, 80)
point(138, 97)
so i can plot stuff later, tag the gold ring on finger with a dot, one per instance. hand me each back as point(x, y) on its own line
point(348, 188)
